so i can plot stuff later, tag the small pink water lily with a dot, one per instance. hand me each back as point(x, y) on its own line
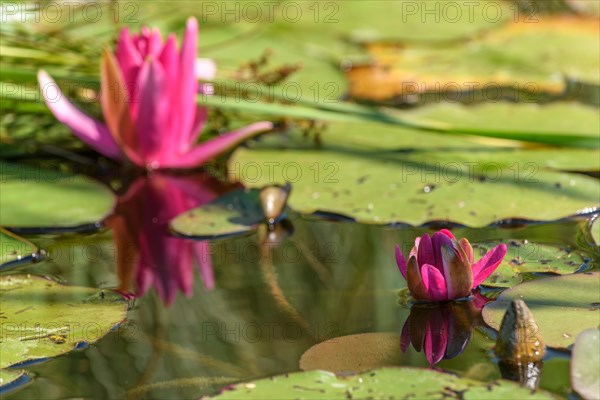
point(148, 99)
point(441, 268)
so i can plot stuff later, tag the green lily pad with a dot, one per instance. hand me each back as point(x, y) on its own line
point(574, 298)
point(15, 250)
point(528, 257)
point(41, 318)
point(11, 380)
point(408, 178)
point(38, 199)
point(585, 364)
point(376, 384)
point(234, 213)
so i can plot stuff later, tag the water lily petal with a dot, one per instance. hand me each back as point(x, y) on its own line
point(447, 233)
point(425, 253)
point(438, 240)
point(130, 61)
point(468, 250)
point(150, 123)
point(459, 276)
point(214, 147)
point(414, 281)
point(169, 60)
point(199, 121)
point(187, 84)
point(115, 104)
point(487, 264)
point(92, 132)
point(434, 283)
point(401, 261)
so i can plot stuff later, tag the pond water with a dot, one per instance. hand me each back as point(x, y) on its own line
point(330, 282)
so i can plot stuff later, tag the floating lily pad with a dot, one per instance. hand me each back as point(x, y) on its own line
point(409, 178)
point(527, 56)
point(573, 298)
point(38, 199)
point(376, 384)
point(354, 353)
point(15, 250)
point(585, 364)
point(11, 380)
point(234, 213)
point(527, 257)
point(41, 318)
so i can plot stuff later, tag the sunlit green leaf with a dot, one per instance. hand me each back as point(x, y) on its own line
point(377, 384)
point(574, 298)
point(41, 318)
point(50, 198)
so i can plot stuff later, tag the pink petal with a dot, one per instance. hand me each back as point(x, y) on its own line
point(425, 254)
point(92, 132)
point(199, 121)
point(487, 264)
point(447, 233)
point(169, 59)
point(187, 84)
point(129, 60)
point(153, 111)
point(434, 283)
point(401, 261)
point(438, 240)
point(214, 147)
point(155, 43)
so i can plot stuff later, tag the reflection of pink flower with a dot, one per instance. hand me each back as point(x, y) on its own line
point(148, 98)
point(441, 331)
point(441, 268)
point(146, 251)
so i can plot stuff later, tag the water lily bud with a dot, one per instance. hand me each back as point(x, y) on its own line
point(273, 201)
point(519, 341)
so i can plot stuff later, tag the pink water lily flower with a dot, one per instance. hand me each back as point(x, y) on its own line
point(148, 99)
point(441, 268)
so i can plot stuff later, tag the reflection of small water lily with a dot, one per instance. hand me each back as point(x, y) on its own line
point(147, 252)
point(441, 331)
point(441, 268)
point(149, 105)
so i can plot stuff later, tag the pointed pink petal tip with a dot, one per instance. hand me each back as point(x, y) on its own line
point(483, 268)
point(92, 132)
point(401, 261)
point(217, 146)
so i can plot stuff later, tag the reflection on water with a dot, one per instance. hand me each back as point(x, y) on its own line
point(146, 251)
point(327, 280)
point(441, 331)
